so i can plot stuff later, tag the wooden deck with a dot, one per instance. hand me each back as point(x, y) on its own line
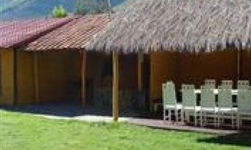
point(160, 124)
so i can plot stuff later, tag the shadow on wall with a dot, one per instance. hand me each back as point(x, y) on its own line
point(237, 139)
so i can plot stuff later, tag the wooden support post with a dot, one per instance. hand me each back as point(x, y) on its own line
point(238, 71)
point(36, 78)
point(140, 67)
point(83, 77)
point(115, 88)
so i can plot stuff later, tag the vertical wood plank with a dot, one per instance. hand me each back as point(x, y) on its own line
point(15, 78)
point(115, 89)
point(83, 77)
point(238, 65)
point(36, 77)
point(140, 62)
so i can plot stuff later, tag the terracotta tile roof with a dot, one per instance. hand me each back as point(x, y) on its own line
point(72, 36)
point(16, 33)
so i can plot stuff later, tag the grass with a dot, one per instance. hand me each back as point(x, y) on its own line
point(26, 132)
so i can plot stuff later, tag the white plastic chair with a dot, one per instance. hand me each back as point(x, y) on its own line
point(189, 104)
point(170, 102)
point(243, 84)
point(227, 84)
point(208, 106)
point(210, 83)
point(225, 106)
point(244, 106)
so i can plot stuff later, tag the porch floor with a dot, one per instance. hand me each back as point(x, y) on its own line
point(160, 124)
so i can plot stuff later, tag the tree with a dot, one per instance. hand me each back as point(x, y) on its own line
point(59, 12)
point(83, 7)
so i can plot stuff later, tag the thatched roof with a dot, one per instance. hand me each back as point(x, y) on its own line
point(192, 25)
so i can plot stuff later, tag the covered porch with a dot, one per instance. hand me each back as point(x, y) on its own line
point(188, 42)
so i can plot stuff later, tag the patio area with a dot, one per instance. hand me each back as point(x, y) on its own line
point(65, 110)
point(159, 124)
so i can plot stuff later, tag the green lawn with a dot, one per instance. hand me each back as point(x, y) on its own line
point(25, 132)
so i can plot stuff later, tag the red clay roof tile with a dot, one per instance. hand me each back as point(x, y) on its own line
point(16, 33)
point(72, 36)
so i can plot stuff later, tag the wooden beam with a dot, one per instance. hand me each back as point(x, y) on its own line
point(36, 77)
point(83, 77)
point(115, 88)
point(140, 67)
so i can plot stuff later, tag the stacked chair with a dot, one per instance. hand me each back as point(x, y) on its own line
point(211, 83)
point(218, 112)
point(225, 106)
point(243, 102)
point(189, 104)
point(208, 106)
point(227, 84)
point(243, 84)
point(170, 104)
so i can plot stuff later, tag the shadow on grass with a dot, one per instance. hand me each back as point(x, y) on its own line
point(237, 139)
point(58, 108)
point(65, 109)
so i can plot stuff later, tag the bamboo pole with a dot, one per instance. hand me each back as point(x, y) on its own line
point(115, 88)
point(36, 78)
point(83, 77)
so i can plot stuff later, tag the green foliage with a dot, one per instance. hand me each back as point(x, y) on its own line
point(83, 7)
point(59, 12)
